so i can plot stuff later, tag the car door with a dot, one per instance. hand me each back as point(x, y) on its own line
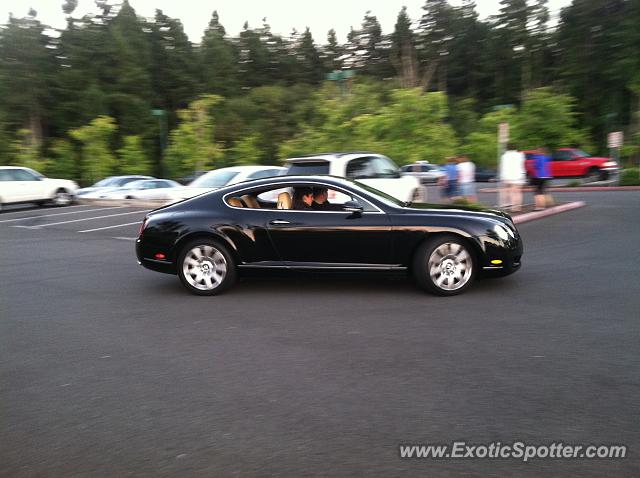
point(10, 190)
point(561, 164)
point(27, 185)
point(331, 238)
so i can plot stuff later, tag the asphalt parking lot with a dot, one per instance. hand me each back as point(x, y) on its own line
point(112, 370)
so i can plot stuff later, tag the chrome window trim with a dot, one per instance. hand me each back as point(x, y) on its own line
point(328, 186)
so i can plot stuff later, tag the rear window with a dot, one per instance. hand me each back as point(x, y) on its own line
point(307, 168)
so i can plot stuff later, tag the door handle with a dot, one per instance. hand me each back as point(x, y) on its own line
point(279, 222)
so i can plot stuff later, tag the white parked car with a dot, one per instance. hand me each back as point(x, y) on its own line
point(109, 184)
point(24, 185)
point(372, 169)
point(141, 189)
point(219, 178)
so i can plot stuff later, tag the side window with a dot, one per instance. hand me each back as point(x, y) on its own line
point(300, 197)
point(562, 156)
point(360, 168)
point(266, 173)
point(23, 175)
point(383, 168)
point(5, 175)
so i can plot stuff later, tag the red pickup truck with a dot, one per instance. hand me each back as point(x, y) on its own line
point(575, 163)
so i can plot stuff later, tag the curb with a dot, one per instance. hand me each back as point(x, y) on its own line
point(552, 211)
point(577, 189)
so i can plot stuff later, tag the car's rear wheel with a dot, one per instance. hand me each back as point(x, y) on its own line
point(205, 267)
point(61, 198)
point(444, 265)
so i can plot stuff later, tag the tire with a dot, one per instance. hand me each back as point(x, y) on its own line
point(445, 265)
point(205, 267)
point(594, 175)
point(61, 197)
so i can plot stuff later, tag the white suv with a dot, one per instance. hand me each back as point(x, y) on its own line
point(372, 169)
point(24, 185)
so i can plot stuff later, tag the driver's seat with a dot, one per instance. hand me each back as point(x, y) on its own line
point(284, 201)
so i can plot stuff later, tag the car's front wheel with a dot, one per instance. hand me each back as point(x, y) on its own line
point(206, 267)
point(444, 265)
point(61, 197)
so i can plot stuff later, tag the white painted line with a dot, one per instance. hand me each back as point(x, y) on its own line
point(34, 209)
point(126, 238)
point(61, 214)
point(530, 216)
point(92, 218)
point(111, 227)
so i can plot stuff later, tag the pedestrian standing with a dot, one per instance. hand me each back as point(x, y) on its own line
point(512, 177)
point(450, 180)
point(467, 178)
point(542, 174)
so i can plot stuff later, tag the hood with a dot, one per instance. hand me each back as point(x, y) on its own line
point(471, 208)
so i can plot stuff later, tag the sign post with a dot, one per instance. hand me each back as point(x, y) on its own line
point(615, 140)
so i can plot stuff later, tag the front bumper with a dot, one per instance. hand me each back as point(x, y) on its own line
point(157, 265)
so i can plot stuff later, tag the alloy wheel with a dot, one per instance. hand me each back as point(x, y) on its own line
point(204, 267)
point(450, 266)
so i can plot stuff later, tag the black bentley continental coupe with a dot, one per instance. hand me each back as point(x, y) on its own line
point(328, 223)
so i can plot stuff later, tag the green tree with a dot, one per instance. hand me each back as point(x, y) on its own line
point(133, 159)
point(64, 163)
point(219, 60)
point(97, 160)
point(247, 150)
point(548, 119)
point(192, 145)
point(26, 151)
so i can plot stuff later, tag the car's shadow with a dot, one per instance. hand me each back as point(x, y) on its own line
point(317, 284)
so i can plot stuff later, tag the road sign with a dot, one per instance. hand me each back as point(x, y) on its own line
point(503, 133)
point(615, 139)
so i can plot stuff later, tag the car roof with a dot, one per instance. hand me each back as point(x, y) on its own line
point(14, 167)
point(331, 157)
point(241, 169)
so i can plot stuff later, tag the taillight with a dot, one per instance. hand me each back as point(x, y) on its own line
point(142, 226)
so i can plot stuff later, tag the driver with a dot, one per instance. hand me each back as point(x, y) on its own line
point(320, 199)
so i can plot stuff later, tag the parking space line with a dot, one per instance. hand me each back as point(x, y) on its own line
point(111, 227)
point(33, 209)
point(88, 219)
point(61, 214)
point(126, 238)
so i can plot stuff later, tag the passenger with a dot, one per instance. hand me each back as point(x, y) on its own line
point(303, 198)
point(320, 199)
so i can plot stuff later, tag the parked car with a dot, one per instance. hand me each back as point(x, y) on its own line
point(426, 172)
point(110, 183)
point(484, 175)
point(372, 169)
point(207, 240)
point(25, 185)
point(143, 189)
point(575, 163)
point(219, 178)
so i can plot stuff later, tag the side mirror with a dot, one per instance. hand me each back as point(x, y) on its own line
point(353, 207)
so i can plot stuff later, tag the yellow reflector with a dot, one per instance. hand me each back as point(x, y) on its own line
point(496, 261)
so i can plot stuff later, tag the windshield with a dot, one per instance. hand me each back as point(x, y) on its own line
point(582, 154)
point(214, 179)
point(134, 184)
point(104, 182)
point(123, 181)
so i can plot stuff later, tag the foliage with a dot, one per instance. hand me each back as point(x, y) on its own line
point(133, 159)
point(26, 151)
point(64, 163)
point(192, 145)
point(630, 177)
point(97, 160)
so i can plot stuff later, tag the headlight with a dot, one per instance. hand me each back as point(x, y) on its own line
point(503, 232)
point(610, 164)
